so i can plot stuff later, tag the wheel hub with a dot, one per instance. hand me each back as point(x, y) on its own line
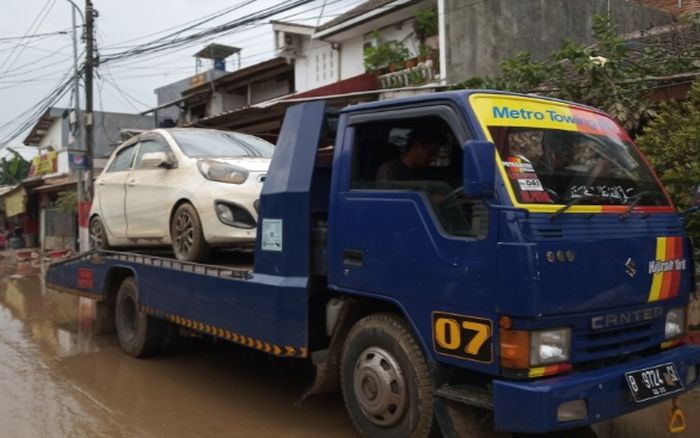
point(380, 387)
point(95, 235)
point(184, 232)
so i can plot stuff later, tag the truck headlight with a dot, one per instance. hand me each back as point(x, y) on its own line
point(223, 172)
point(675, 322)
point(550, 346)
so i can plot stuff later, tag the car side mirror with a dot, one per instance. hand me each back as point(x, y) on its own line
point(479, 171)
point(154, 160)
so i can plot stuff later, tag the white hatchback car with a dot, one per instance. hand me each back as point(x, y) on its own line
point(190, 188)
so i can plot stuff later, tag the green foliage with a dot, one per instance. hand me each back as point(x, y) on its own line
point(614, 75)
point(67, 202)
point(385, 53)
point(672, 143)
point(14, 170)
point(426, 24)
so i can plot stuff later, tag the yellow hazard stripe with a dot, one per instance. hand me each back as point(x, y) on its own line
point(76, 292)
point(657, 279)
point(285, 351)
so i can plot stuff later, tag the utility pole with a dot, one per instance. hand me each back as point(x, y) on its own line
point(76, 110)
point(89, 118)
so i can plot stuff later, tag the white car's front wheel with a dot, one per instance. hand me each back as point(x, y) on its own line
point(186, 234)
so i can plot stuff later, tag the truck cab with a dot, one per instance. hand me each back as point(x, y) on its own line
point(539, 243)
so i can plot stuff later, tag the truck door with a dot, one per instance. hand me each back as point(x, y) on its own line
point(407, 232)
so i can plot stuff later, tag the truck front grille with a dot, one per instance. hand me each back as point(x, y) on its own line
point(594, 345)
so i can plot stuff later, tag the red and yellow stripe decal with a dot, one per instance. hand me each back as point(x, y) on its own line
point(665, 283)
point(520, 111)
point(548, 370)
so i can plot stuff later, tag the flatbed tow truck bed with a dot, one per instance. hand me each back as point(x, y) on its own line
point(227, 301)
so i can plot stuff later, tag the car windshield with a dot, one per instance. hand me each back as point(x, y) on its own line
point(557, 166)
point(209, 143)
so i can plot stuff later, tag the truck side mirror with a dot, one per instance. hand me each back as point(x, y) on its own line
point(479, 170)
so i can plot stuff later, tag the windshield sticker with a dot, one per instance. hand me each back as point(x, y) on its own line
point(530, 184)
point(518, 164)
point(272, 235)
point(614, 192)
point(519, 112)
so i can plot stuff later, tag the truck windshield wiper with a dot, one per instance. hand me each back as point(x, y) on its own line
point(632, 202)
point(578, 200)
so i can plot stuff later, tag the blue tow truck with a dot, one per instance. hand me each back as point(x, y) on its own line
point(534, 277)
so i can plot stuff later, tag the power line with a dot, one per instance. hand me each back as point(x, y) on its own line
point(22, 44)
point(176, 42)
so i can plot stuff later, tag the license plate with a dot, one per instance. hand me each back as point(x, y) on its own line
point(653, 382)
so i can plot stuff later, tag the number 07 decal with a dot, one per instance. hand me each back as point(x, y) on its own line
point(465, 337)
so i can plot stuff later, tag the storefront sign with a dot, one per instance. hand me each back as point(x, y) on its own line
point(44, 164)
point(77, 161)
point(15, 202)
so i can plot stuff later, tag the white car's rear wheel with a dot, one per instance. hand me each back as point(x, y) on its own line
point(186, 234)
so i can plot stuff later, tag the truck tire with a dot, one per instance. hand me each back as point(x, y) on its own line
point(186, 235)
point(140, 335)
point(386, 384)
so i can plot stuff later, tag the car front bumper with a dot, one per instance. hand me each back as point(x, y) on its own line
point(531, 406)
point(215, 232)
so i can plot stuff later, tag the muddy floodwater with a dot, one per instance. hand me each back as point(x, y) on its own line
point(59, 379)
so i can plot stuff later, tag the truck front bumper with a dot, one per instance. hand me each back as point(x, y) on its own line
point(532, 406)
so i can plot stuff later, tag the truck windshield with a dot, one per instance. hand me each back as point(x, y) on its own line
point(554, 152)
point(211, 143)
point(557, 166)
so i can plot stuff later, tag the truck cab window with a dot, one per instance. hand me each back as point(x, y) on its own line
point(417, 154)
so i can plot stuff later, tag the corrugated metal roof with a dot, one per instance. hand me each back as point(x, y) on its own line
point(361, 9)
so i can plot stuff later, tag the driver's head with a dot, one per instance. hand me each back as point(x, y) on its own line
point(423, 145)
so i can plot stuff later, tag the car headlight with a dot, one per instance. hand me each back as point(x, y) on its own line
point(550, 346)
point(222, 172)
point(675, 322)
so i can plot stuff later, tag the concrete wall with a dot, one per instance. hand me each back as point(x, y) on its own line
point(352, 56)
point(480, 35)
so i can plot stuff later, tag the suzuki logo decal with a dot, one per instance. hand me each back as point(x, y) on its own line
point(631, 267)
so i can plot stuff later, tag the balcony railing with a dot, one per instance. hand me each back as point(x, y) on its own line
point(420, 74)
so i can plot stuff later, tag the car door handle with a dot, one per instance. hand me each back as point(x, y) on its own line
point(353, 257)
point(131, 182)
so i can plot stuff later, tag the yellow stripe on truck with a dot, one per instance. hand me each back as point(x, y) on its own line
point(657, 279)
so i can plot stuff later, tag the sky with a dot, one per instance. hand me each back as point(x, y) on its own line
point(31, 68)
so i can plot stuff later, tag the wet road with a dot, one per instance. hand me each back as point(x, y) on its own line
point(58, 379)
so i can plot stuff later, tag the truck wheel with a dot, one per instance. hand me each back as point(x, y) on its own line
point(140, 335)
point(98, 235)
point(385, 379)
point(186, 234)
